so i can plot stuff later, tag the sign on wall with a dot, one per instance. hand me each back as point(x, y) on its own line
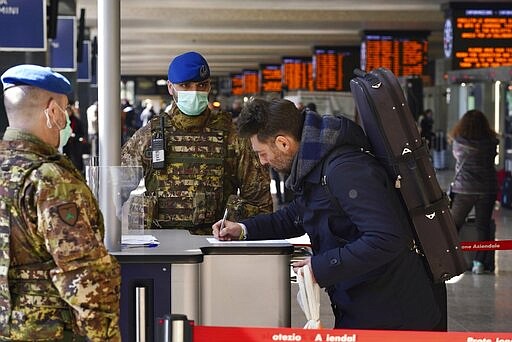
point(22, 25)
point(63, 47)
point(84, 67)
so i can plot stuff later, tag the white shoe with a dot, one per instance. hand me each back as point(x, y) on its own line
point(478, 267)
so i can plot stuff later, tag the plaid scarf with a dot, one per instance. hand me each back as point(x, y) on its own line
point(320, 135)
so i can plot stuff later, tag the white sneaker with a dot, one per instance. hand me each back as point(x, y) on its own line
point(478, 267)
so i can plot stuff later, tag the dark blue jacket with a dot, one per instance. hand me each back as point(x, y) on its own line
point(362, 254)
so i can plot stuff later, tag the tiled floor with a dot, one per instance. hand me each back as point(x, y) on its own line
point(475, 302)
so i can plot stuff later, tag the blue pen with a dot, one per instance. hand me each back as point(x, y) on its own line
point(149, 245)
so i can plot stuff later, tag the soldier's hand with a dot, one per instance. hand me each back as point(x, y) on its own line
point(231, 230)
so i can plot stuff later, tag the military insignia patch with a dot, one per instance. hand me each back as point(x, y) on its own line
point(68, 213)
point(203, 71)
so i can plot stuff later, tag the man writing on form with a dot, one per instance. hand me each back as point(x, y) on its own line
point(363, 247)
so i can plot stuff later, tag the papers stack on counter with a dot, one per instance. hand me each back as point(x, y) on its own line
point(131, 241)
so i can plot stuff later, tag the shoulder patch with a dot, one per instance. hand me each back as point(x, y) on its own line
point(68, 213)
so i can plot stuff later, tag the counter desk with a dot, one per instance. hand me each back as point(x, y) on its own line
point(212, 282)
point(146, 277)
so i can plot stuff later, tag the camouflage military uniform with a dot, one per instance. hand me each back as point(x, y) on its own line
point(206, 163)
point(61, 277)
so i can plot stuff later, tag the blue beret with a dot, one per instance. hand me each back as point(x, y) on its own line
point(36, 76)
point(188, 67)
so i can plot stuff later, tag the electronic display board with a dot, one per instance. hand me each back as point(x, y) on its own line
point(271, 78)
point(297, 73)
point(402, 52)
point(250, 82)
point(333, 67)
point(224, 85)
point(237, 84)
point(478, 35)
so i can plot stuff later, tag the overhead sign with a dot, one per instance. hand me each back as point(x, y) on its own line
point(63, 47)
point(84, 67)
point(271, 78)
point(478, 35)
point(22, 25)
point(333, 67)
point(405, 53)
point(250, 82)
point(237, 84)
point(297, 73)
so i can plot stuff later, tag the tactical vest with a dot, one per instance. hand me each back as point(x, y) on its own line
point(13, 173)
point(189, 188)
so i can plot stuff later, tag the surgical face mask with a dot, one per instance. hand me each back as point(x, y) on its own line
point(64, 132)
point(192, 103)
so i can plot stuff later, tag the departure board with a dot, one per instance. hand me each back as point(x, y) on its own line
point(333, 66)
point(405, 53)
point(224, 85)
point(271, 78)
point(478, 35)
point(250, 82)
point(297, 73)
point(237, 84)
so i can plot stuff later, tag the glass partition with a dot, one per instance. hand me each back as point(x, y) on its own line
point(121, 194)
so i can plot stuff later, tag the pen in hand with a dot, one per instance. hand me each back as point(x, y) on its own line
point(223, 219)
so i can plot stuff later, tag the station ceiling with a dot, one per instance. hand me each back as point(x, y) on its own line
point(240, 34)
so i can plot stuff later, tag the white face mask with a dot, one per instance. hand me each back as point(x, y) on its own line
point(192, 103)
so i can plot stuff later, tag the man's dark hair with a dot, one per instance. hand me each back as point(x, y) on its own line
point(268, 119)
point(311, 106)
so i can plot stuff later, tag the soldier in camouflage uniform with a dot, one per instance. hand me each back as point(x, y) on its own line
point(57, 280)
point(194, 162)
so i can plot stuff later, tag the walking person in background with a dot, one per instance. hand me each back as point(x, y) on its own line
point(427, 126)
point(77, 144)
point(92, 127)
point(311, 106)
point(236, 107)
point(148, 112)
point(57, 280)
point(475, 184)
point(131, 121)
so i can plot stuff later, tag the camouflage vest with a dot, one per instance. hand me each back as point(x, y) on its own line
point(13, 173)
point(189, 188)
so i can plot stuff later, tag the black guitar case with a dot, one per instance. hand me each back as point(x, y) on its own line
point(396, 142)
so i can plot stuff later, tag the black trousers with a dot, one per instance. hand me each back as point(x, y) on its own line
point(441, 299)
point(442, 302)
point(484, 206)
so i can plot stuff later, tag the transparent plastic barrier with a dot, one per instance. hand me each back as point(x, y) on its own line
point(120, 193)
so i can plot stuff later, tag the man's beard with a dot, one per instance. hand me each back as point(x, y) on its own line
point(282, 164)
